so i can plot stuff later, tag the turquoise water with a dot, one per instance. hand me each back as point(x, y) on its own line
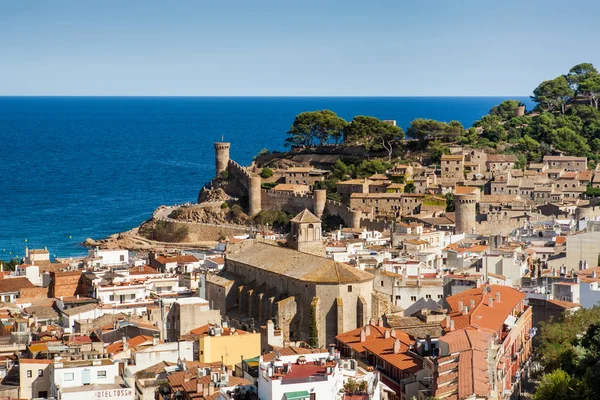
point(78, 167)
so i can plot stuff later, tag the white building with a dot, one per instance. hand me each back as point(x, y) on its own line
point(99, 258)
point(319, 375)
point(170, 352)
point(87, 380)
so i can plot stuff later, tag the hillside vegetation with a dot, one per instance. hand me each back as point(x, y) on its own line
point(566, 119)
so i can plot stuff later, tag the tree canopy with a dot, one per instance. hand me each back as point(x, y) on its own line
point(553, 94)
point(315, 126)
point(373, 133)
point(435, 130)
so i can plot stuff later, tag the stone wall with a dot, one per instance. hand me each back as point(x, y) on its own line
point(294, 203)
point(199, 232)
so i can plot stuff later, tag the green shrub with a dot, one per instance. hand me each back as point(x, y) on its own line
point(266, 173)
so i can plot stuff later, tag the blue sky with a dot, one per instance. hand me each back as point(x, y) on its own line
point(295, 48)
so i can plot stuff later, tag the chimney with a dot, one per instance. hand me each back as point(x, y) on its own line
point(397, 346)
point(554, 271)
point(331, 349)
point(448, 319)
point(155, 340)
point(460, 306)
point(451, 325)
point(593, 274)
point(498, 297)
point(363, 335)
point(367, 330)
point(490, 302)
point(125, 344)
point(386, 335)
point(77, 297)
point(198, 384)
point(393, 333)
point(472, 303)
point(466, 311)
point(380, 322)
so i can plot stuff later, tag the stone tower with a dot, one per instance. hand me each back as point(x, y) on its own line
point(320, 200)
point(305, 235)
point(520, 111)
point(465, 208)
point(254, 195)
point(221, 157)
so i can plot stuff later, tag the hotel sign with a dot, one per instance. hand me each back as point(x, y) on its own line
point(124, 394)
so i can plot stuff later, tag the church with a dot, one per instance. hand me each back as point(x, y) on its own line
point(307, 295)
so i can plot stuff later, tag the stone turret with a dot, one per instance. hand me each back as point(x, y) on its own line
point(465, 208)
point(221, 157)
point(320, 200)
point(254, 195)
point(520, 111)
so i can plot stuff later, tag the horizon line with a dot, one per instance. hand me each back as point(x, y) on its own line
point(260, 96)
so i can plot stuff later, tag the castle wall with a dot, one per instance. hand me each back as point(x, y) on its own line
point(295, 203)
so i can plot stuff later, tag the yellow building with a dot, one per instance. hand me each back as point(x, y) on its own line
point(217, 343)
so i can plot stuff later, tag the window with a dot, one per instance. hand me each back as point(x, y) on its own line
point(69, 377)
point(349, 288)
point(398, 297)
point(40, 372)
point(440, 296)
point(427, 296)
point(111, 297)
point(413, 298)
point(29, 373)
point(122, 257)
point(381, 283)
point(101, 374)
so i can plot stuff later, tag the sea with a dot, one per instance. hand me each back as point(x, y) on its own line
point(79, 167)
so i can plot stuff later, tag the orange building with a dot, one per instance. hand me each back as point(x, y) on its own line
point(495, 320)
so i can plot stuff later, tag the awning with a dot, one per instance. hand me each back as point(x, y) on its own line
point(301, 395)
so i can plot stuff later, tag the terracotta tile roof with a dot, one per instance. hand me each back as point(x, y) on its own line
point(204, 331)
point(352, 338)
point(486, 318)
point(564, 158)
point(465, 190)
point(452, 157)
point(80, 339)
point(297, 265)
point(585, 175)
point(471, 369)
point(34, 361)
point(404, 361)
point(143, 270)
point(564, 304)
point(561, 240)
point(10, 285)
point(117, 347)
